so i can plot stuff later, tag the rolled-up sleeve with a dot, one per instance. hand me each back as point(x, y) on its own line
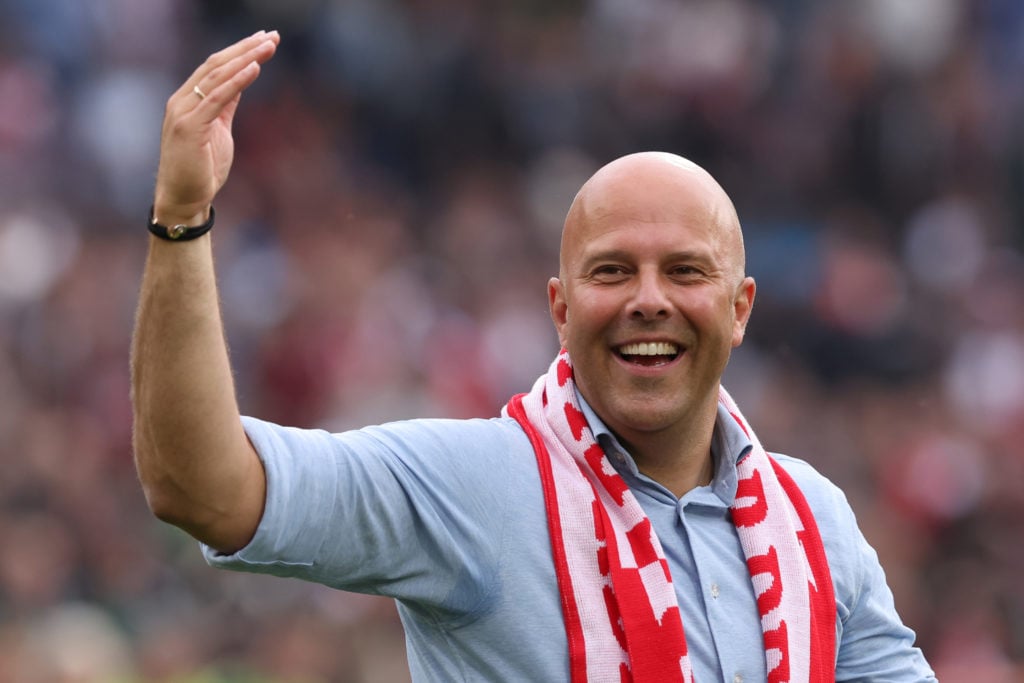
point(288, 537)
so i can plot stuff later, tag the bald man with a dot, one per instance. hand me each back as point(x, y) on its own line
point(619, 521)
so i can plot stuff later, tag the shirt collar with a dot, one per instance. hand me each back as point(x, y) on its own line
point(729, 445)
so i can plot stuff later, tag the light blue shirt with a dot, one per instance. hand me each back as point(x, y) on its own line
point(448, 518)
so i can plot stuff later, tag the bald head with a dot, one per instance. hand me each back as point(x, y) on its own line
point(653, 187)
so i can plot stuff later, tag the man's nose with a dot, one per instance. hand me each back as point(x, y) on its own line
point(649, 298)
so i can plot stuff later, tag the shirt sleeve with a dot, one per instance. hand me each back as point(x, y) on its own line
point(873, 643)
point(412, 510)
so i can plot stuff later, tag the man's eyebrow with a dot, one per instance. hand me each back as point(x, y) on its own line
point(687, 255)
point(699, 255)
point(604, 255)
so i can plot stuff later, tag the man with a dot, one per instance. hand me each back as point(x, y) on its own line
point(618, 522)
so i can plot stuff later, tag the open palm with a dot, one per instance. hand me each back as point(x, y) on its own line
point(197, 148)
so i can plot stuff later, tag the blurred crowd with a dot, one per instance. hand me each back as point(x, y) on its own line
point(383, 244)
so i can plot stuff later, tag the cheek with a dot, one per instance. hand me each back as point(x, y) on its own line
point(590, 313)
point(714, 316)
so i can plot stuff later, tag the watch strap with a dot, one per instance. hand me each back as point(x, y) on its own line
point(179, 232)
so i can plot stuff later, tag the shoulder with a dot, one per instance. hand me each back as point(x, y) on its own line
point(407, 435)
point(487, 443)
point(835, 518)
point(849, 555)
point(826, 499)
point(456, 450)
point(478, 433)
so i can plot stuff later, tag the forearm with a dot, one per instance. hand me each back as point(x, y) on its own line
point(195, 463)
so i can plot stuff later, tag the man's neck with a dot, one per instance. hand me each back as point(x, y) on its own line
point(679, 459)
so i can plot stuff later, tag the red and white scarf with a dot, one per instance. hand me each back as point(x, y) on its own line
point(618, 602)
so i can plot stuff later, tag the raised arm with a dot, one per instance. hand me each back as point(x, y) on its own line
point(197, 467)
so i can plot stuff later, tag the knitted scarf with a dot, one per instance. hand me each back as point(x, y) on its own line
point(619, 605)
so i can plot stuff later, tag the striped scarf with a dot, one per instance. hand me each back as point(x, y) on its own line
point(619, 605)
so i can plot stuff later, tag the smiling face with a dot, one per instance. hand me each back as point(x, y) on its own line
point(651, 296)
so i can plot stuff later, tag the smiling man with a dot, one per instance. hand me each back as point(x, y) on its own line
point(618, 522)
point(650, 300)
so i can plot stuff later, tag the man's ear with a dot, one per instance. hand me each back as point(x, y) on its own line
point(742, 306)
point(559, 308)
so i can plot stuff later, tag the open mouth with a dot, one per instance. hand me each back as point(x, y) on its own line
point(648, 353)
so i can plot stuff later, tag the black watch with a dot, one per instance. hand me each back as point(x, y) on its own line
point(179, 232)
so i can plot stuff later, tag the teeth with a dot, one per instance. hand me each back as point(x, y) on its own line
point(649, 349)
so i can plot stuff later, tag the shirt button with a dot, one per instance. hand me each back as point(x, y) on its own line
point(714, 595)
point(738, 678)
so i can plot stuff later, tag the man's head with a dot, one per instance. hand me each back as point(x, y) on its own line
point(651, 295)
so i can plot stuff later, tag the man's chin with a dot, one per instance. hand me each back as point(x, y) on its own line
point(645, 417)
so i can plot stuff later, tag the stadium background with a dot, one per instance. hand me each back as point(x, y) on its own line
point(402, 170)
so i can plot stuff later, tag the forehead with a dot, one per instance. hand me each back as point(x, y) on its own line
point(649, 196)
point(646, 204)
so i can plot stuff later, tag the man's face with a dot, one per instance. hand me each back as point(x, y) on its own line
point(651, 297)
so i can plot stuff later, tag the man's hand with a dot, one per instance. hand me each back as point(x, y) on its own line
point(196, 147)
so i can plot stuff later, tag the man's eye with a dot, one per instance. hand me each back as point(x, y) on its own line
point(609, 270)
point(685, 270)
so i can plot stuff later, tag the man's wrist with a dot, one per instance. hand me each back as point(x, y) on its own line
point(169, 213)
point(180, 231)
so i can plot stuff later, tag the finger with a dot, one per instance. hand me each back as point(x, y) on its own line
point(219, 59)
point(206, 98)
point(220, 99)
point(227, 71)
